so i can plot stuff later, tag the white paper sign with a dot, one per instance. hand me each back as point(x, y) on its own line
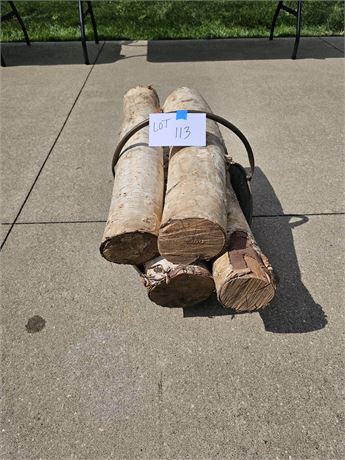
point(177, 129)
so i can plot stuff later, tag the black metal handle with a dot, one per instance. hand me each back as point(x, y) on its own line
point(209, 115)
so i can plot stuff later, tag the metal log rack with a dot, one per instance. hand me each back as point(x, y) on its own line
point(240, 179)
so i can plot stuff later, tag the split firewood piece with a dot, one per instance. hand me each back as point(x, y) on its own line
point(173, 285)
point(131, 232)
point(243, 275)
point(194, 217)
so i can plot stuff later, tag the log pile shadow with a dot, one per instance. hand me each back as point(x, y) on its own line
point(293, 310)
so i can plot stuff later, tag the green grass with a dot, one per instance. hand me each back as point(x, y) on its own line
point(134, 20)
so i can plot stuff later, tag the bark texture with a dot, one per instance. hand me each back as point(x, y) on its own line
point(131, 232)
point(243, 275)
point(194, 217)
point(173, 285)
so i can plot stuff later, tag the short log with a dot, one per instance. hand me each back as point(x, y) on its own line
point(243, 275)
point(174, 285)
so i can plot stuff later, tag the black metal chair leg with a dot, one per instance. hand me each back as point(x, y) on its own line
point(22, 25)
point(298, 29)
point(275, 19)
point(93, 22)
point(82, 32)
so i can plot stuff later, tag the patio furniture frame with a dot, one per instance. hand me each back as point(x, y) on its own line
point(298, 14)
point(10, 15)
point(83, 13)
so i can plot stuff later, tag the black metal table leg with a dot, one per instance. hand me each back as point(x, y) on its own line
point(82, 32)
point(275, 19)
point(82, 14)
point(298, 29)
point(5, 17)
point(93, 22)
point(22, 25)
point(298, 14)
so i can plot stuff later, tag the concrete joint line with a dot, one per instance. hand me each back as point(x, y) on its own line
point(53, 146)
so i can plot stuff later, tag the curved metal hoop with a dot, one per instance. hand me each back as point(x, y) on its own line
point(209, 115)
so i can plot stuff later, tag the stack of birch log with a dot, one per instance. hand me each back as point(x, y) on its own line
point(175, 216)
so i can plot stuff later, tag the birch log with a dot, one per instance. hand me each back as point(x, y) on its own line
point(131, 232)
point(173, 285)
point(194, 217)
point(243, 276)
point(176, 285)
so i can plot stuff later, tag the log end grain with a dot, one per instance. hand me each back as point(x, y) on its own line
point(182, 291)
point(171, 285)
point(134, 248)
point(246, 294)
point(243, 276)
point(185, 241)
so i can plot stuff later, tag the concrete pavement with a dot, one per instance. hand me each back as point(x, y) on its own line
point(113, 375)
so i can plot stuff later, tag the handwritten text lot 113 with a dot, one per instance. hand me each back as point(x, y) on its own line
point(168, 129)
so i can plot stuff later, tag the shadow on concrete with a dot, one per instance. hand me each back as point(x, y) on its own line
point(66, 53)
point(59, 53)
point(293, 309)
point(238, 49)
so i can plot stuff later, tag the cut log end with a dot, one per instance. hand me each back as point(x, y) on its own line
point(244, 277)
point(183, 290)
point(134, 248)
point(188, 240)
point(171, 285)
point(246, 294)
